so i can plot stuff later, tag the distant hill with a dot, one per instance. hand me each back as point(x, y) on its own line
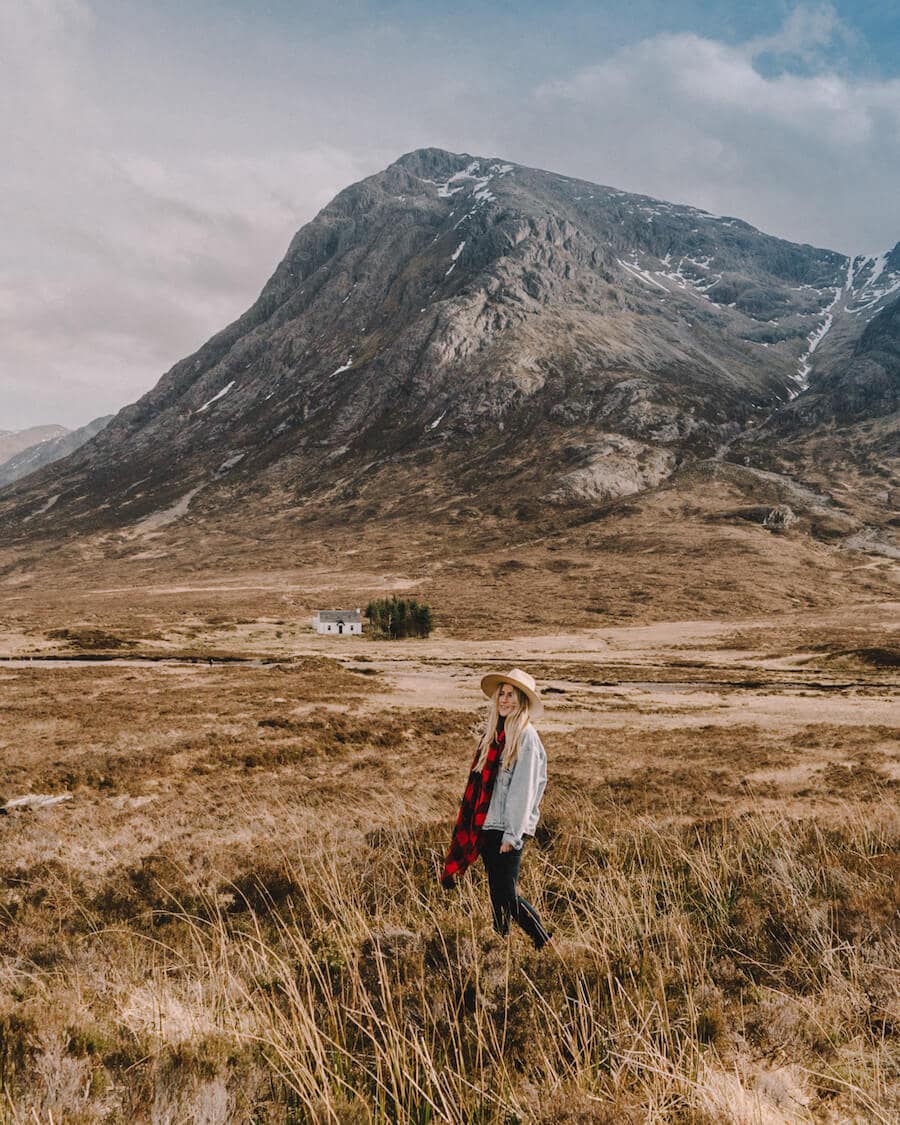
point(47, 449)
point(15, 441)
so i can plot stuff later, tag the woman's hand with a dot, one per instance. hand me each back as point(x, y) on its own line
point(505, 848)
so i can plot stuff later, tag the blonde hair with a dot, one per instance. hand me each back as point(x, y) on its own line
point(515, 724)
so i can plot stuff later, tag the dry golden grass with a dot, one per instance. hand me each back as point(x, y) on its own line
point(237, 916)
point(723, 971)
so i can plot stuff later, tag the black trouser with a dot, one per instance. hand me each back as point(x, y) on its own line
point(503, 872)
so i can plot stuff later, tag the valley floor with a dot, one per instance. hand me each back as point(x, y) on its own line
point(235, 914)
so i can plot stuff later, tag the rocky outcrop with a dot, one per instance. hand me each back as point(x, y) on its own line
point(778, 519)
point(615, 466)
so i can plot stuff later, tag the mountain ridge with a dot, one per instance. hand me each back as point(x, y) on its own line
point(57, 443)
point(14, 442)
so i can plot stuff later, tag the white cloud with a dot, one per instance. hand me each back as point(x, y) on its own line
point(121, 257)
point(136, 263)
point(812, 156)
point(805, 32)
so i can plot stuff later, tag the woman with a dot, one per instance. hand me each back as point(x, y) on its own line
point(500, 806)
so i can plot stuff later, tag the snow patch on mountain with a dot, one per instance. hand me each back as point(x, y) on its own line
point(473, 178)
point(879, 284)
point(454, 256)
point(635, 270)
point(691, 279)
point(215, 398)
point(820, 332)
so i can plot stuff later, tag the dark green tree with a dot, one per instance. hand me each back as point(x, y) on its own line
point(395, 618)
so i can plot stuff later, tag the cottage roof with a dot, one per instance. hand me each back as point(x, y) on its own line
point(348, 616)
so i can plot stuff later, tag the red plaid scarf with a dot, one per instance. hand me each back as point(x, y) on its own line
point(472, 810)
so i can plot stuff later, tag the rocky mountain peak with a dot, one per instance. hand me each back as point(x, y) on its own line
point(432, 163)
point(456, 312)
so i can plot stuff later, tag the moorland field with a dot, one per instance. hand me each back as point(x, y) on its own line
point(234, 915)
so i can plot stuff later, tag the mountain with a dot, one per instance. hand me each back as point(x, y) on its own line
point(47, 449)
point(459, 338)
point(13, 442)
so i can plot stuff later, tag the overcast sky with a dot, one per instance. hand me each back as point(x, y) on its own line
point(158, 157)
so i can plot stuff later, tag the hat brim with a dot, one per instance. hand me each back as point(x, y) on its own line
point(493, 680)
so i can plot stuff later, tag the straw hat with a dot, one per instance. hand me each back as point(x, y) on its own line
point(521, 680)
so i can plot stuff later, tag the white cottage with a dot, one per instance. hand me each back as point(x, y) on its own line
point(338, 621)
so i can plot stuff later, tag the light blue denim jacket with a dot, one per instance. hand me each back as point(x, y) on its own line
point(516, 798)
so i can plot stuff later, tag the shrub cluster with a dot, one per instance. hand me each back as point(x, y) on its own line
point(399, 617)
